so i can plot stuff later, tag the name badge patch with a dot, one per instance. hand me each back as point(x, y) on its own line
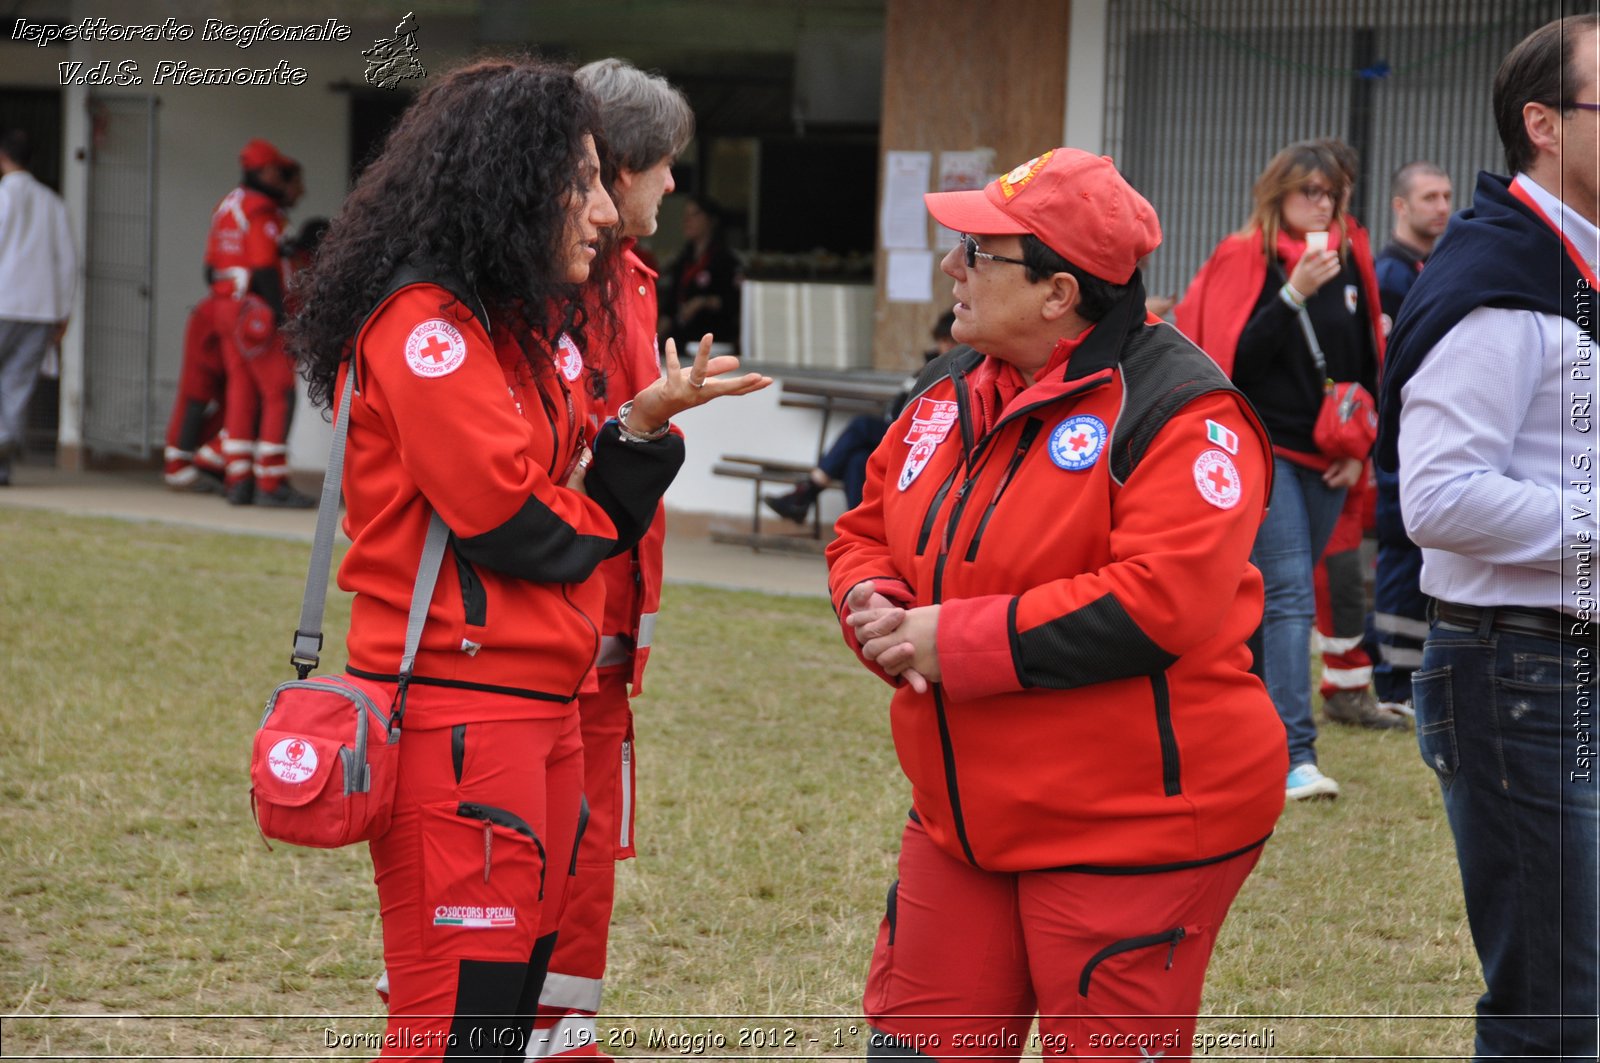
point(435, 348)
point(1077, 442)
point(931, 422)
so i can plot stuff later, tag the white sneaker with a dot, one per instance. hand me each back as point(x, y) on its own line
point(1306, 781)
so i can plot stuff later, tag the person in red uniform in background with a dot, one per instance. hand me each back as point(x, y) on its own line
point(449, 287)
point(192, 460)
point(195, 441)
point(1340, 585)
point(647, 122)
point(1093, 767)
point(245, 264)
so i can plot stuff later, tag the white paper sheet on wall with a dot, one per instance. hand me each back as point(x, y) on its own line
point(962, 171)
point(903, 216)
point(910, 277)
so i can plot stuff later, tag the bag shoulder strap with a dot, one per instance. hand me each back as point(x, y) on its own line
point(308, 635)
point(1305, 327)
point(313, 605)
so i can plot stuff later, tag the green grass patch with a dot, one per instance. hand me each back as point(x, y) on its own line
point(137, 894)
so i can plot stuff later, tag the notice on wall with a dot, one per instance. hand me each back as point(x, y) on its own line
point(903, 217)
point(961, 171)
point(909, 277)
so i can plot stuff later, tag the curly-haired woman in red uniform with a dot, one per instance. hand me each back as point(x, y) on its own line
point(448, 286)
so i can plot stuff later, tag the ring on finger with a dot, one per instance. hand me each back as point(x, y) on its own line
point(696, 383)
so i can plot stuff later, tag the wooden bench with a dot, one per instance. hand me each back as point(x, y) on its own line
point(828, 397)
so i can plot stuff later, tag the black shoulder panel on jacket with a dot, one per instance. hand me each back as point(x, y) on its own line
point(1162, 372)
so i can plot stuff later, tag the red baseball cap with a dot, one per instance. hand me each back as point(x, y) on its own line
point(1077, 203)
point(259, 153)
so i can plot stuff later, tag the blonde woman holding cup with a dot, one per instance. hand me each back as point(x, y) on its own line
point(1283, 305)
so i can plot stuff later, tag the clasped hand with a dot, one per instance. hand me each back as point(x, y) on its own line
point(903, 642)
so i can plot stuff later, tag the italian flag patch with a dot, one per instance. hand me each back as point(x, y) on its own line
point(1222, 437)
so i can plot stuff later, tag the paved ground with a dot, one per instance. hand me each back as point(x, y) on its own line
point(140, 496)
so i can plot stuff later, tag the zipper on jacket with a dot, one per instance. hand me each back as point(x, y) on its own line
point(594, 633)
point(1171, 769)
point(474, 599)
point(491, 816)
point(972, 448)
point(1169, 938)
point(946, 744)
point(1030, 432)
point(933, 509)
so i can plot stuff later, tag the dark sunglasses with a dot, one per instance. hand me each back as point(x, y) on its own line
point(970, 245)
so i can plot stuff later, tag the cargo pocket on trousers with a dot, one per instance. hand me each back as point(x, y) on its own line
point(1126, 953)
point(483, 874)
point(1436, 722)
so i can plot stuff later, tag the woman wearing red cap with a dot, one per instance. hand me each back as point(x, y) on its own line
point(1049, 564)
point(1251, 307)
point(448, 286)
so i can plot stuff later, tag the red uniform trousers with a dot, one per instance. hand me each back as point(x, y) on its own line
point(1341, 598)
point(1113, 964)
point(566, 1024)
point(472, 875)
point(202, 392)
point(260, 399)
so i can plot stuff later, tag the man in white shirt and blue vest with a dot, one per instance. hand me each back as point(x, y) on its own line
point(1487, 411)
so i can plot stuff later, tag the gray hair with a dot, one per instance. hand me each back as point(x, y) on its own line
point(645, 118)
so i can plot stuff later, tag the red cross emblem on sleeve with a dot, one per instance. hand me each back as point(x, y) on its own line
point(1217, 479)
point(435, 348)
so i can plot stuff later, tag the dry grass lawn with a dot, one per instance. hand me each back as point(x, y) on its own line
point(141, 916)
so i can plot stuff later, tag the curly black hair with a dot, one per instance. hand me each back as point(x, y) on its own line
point(475, 181)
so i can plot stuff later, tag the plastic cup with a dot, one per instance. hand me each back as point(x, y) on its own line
point(1316, 241)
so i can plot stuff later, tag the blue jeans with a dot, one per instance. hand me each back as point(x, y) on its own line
point(1506, 721)
point(846, 459)
point(1299, 520)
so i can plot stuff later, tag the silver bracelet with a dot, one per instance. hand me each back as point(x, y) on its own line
point(629, 435)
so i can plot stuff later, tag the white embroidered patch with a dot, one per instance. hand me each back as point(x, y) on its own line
point(293, 760)
point(435, 348)
point(1350, 295)
point(931, 422)
point(568, 358)
point(1218, 479)
point(475, 916)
